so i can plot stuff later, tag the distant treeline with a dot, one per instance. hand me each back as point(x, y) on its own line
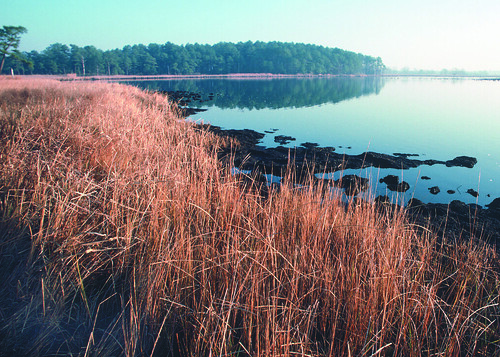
point(221, 58)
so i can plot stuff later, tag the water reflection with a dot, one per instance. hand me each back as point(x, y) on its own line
point(270, 93)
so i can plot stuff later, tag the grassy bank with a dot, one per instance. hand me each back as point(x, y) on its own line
point(121, 234)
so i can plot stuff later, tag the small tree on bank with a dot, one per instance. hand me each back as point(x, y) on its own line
point(10, 36)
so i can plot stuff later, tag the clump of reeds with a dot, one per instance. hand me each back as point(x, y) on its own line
point(123, 235)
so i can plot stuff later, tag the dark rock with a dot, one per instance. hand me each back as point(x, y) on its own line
point(390, 180)
point(494, 208)
point(425, 178)
point(384, 161)
point(414, 202)
point(472, 192)
point(474, 207)
point(404, 155)
point(450, 192)
point(495, 204)
point(393, 184)
point(458, 207)
point(353, 184)
point(457, 220)
point(247, 138)
point(431, 162)
point(462, 161)
point(496, 215)
point(403, 186)
point(283, 139)
point(309, 145)
point(434, 190)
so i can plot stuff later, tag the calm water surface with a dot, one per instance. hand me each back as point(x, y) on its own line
point(433, 118)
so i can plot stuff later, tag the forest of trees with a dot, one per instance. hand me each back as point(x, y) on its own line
point(168, 58)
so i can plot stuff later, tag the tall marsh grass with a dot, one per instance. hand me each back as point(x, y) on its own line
point(121, 234)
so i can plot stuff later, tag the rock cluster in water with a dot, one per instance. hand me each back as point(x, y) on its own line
point(251, 155)
point(283, 139)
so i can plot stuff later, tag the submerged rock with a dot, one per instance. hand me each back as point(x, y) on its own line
point(472, 192)
point(434, 190)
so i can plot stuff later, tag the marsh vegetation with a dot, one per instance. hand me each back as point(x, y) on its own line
point(121, 234)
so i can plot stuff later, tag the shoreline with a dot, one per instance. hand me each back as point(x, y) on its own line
point(236, 76)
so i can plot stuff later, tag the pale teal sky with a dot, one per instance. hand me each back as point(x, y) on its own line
point(423, 34)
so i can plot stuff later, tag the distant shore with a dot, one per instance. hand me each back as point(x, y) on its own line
point(206, 76)
point(240, 76)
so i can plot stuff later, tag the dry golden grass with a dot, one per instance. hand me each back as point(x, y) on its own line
point(123, 235)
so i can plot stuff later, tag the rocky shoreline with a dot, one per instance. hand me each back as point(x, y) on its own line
point(249, 155)
point(456, 220)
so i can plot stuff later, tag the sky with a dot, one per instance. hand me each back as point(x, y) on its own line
point(423, 34)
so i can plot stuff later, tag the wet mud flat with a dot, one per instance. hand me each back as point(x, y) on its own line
point(456, 220)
